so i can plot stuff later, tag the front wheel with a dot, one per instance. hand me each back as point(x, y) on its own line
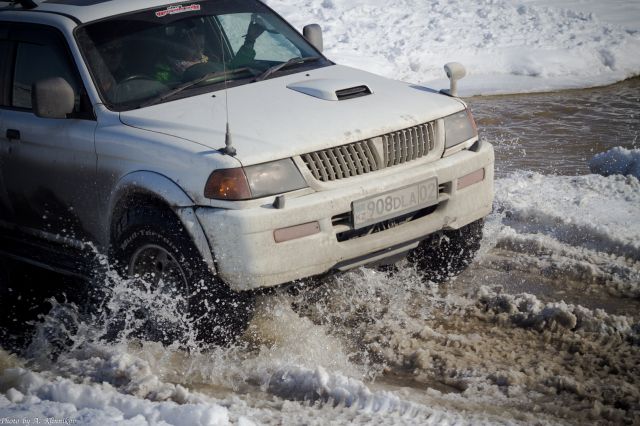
point(172, 290)
point(446, 254)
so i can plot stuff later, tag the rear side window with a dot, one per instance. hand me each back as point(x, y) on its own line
point(41, 53)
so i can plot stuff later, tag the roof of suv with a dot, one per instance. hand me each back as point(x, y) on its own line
point(91, 10)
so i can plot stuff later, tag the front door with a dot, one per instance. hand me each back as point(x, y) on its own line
point(48, 165)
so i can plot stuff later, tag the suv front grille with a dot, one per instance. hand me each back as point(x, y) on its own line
point(342, 161)
point(408, 144)
point(367, 156)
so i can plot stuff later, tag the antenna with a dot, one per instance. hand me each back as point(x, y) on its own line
point(228, 142)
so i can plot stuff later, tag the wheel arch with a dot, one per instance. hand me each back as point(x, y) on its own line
point(146, 187)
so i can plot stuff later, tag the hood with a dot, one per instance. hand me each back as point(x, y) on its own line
point(296, 114)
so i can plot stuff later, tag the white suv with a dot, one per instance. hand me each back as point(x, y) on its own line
point(208, 142)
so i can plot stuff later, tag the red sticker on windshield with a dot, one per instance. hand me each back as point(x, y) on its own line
point(172, 10)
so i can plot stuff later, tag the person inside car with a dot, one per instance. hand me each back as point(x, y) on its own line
point(188, 52)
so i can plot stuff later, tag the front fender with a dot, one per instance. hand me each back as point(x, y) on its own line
point(157, 186)
point(151, 183)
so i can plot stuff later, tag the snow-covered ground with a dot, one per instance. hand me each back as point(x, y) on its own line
point(508, 46)
point(387, 348)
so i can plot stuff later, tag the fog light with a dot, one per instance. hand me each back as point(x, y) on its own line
point(291, 233)
point(470, 179)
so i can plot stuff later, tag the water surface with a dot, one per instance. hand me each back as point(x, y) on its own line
point(559, 132)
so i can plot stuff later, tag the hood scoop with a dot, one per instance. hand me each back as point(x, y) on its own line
point(331, 90)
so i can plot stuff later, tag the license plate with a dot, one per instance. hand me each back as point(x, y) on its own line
point(394, 203)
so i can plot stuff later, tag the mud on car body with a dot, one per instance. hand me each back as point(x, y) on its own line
point(211, 148)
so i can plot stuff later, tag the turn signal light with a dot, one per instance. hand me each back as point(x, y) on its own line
point(228, 184)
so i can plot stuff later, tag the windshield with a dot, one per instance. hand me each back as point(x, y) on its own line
point(152, 56)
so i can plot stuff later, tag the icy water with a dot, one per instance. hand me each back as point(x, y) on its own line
point(543, 328)
point(558, 133)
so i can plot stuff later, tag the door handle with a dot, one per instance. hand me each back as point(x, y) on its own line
point(13, 134)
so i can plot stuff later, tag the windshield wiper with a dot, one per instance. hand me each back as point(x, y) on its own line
point(166, 95)
point(278, 67)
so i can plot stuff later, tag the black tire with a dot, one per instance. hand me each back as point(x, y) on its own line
point(446, 254)
point(218, 314)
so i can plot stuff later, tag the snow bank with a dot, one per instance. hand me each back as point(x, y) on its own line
point(507, 46)
point(617, 161)
point(595, 212)
point(623, 13)
point(33, 395)
point(583, 228)
point(98, 384)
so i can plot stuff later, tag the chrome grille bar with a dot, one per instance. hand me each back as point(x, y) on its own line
point(360, 157)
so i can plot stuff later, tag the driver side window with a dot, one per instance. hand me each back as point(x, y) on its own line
point(40, 54)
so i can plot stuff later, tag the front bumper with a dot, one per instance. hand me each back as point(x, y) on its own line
point(248, 256)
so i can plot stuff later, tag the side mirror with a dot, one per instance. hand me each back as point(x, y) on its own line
point(313, 34)
point(455, 71)
point(52, 98)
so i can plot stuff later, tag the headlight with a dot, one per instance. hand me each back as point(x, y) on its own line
point(256, 181)
point(459, 127)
